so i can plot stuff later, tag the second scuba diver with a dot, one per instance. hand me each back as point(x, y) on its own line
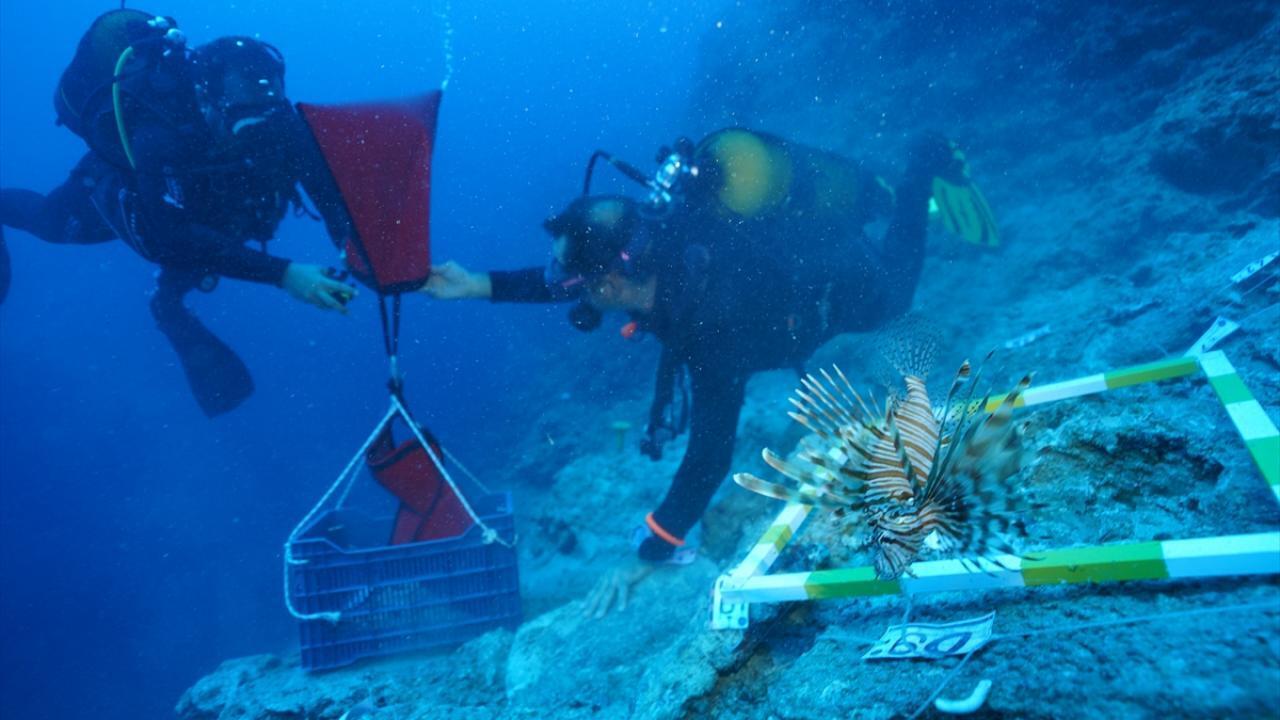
point(749, 254)
point(193, 155)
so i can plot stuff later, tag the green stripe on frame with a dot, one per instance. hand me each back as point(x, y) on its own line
point(848, 582)
point(778, 536)
point(994, 401)
point(1142, 561)
point(1230, 389)
point(1159, 370)
point(1266, 452)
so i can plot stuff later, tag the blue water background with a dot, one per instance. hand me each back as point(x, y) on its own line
point(140, 542)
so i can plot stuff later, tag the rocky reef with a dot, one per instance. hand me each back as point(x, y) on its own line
point(1132, 153)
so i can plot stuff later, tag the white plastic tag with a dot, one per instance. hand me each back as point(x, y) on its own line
point(932, 641)
point(1216, 333)
point(1253, 268)
point(725, 615)
point(1027, 338)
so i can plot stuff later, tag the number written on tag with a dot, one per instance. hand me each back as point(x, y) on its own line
point(932, 640)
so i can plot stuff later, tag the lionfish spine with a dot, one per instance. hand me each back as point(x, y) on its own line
point(866, 412)
point(841, 411)
point(809, 425)
point(816, 414)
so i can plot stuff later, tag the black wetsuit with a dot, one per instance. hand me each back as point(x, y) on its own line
point(725, 311)
point(194, 207)
point(186, 206)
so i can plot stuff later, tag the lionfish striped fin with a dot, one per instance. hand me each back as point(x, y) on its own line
point(959, 421)
point(886, 478)
point(852, 403)
point(948, 405)
point(965, 426)
point(815, 407)
point(917, 429)
point(815, 417)
point(897, 545)
point(809, 425)
point(848, 386)
point(778, 491)
point(974, 505)
point(855, 443)
point(902, 457)
point(993, 431)
point(904, 471)
point(808, 481)
point(778, 463)
point(833, 407)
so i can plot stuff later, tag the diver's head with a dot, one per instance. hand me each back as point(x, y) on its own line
point(240, 81)
point(600, 249)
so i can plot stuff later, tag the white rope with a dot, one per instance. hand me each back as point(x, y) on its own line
point(347, 477)
point(945, 682)
point(490, 535)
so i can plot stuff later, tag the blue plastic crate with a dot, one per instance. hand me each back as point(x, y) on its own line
point(402, 597)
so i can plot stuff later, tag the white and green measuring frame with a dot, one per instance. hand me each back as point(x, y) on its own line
point(1252, 554)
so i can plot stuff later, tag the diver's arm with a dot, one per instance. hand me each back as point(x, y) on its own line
point(526, 286)
point(170, 239)
point(717, 402)
point(451, 281)
point(214, 253)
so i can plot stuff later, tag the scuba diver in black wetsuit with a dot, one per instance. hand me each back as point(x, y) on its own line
point(749, 254)
point(192, 156)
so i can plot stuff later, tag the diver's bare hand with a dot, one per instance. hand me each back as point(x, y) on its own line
point(616, 586)
point(311, 284)
point(451, 281)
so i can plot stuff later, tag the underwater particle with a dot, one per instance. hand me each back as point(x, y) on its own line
point(911, 477)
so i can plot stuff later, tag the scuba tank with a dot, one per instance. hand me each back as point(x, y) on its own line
point(738, 175)
point(749, 175)
point(128, 61)
point(786, 205)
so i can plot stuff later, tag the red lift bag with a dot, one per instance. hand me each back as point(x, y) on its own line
point(380, 157)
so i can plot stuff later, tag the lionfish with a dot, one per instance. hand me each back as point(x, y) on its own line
point(913, 476)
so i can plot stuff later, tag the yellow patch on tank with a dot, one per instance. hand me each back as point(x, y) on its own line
point(756, 177)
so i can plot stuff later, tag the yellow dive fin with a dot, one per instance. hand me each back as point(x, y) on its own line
point(961, 208)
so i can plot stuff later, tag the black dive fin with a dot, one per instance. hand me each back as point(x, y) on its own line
point(219, 379)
